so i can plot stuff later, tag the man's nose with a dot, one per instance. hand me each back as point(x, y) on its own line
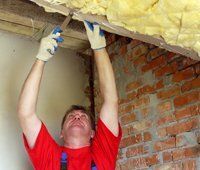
point(77, 116)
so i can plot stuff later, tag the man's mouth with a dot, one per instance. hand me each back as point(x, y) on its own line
point(77, 123)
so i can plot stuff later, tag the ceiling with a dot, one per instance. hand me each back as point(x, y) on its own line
point(28, 19)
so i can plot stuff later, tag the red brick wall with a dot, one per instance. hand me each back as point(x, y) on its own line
point(159, 107)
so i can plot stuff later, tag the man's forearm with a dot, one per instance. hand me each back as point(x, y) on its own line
point(109, 110)
point(106, 76)
point(29, 94)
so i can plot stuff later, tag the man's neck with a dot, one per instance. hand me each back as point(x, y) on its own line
point(75, 143)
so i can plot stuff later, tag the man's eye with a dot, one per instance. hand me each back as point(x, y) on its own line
point(83, 116)
point(70, 116)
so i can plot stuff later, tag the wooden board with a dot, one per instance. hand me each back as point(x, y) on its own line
point(32, 23)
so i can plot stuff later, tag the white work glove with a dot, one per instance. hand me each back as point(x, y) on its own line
point(49, 45)
point(95, 35)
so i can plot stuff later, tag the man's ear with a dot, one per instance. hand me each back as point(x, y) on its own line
point(92, 133)
point(61, 134)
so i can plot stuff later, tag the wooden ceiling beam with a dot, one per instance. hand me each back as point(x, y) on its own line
point(32, 23)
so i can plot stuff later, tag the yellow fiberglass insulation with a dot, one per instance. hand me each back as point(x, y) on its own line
point(178, 22)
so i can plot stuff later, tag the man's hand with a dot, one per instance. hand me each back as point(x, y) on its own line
point(95, 35)
point(49, 45)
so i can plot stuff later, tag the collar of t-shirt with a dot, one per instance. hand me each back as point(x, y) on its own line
point(77, 153)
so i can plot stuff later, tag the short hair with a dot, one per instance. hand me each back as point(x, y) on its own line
point(78, 107)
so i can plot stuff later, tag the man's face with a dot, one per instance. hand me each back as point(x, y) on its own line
point(78, 125)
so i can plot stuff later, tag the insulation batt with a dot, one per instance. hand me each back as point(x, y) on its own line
point(177, 22)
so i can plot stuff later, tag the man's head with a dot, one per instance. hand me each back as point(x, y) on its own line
point(76, 127)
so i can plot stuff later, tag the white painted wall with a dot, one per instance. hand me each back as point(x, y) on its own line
point(62, 85)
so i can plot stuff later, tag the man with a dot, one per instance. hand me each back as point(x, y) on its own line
point(83, 149)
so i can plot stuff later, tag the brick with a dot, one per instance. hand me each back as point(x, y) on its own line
point(168, 69)
point(183, 126)
point(159, 85)
point(147, 136)
point(163, 107)
point(127, 130)
point(141, 102)
point(140, 60)
point(140, 163)
point(187, 112)
point(166, 144)
point(189, 165)
point(134, 164)
point(152, 160)
point(145, 90)
point(127, 109)
point(170, 166)
point(165, 94)
point(190, 152)
point(133, 85)
point(156, 52)
point(139, 51)
point(128, 118)
point(183, 75)
point(187, 98)
point(135, 43)
point(136, 150)
point(123, 101)
point(154, 63)
point(171, 56)
point(125, 40)
point(178, 154)
point(162, 132)
point(131, 140)
point(185, 62)
point(141, 125)
point(167, 156)
point(189, 85)
point(131, 96)
point(165, 119)
point(186, 139)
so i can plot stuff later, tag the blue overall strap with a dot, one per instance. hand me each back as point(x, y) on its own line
point(63, 162)
point(93, 166)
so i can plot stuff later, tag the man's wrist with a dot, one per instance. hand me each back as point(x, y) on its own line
point(100, 50)
point(39, 61)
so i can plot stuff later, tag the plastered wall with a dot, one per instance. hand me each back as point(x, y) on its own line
point(62, 85)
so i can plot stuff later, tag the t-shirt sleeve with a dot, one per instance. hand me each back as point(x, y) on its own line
point(105, 146)
point(42, 151)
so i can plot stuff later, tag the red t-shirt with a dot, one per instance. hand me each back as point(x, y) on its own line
point(46, 153)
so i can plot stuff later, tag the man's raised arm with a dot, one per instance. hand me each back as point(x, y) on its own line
point(26, 109)
point(109, 109)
